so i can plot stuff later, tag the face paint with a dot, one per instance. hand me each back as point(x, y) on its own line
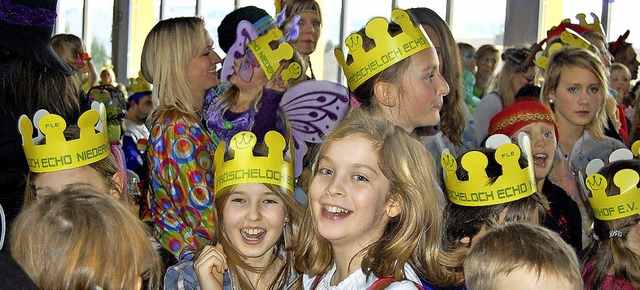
point(247, 66)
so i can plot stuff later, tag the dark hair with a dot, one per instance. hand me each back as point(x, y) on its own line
point(529, 91)
point(609, 255)
point(27, 86)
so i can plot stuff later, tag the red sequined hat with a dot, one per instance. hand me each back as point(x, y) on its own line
point(519, 114)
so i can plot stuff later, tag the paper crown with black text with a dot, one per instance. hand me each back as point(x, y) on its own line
point(514, 183)
point(360, 64)
point(58, 153)
point(270, 58)
point(245, 167)
point(613, 207)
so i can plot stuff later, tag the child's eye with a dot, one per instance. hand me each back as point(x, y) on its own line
point(237, 200)
point(270, 201)
point(594, 90)
point(325, 171)
point(359, 177)
point(573, 89)
point(548, 134)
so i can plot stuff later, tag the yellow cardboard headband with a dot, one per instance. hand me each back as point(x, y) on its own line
point(270, 59)
point(388, 50)
point(247, 168)
point(515, 183)
point(58, 153)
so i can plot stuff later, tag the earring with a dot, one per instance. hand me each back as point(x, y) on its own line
point(550, 101)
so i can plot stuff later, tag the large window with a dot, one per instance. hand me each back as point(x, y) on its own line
point(439, 6)
point(622, 11)
point(213, 13)
point(479, 23)
point(98, 41)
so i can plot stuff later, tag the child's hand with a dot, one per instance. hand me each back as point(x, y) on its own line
point(210, 266)
point(276, 82)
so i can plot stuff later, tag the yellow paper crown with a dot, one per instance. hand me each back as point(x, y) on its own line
point(625, 204)
point(596, 26)
point(58, 153)
point(247, 168)
point(567, 38)
point(269, 59)
point(515, 183)
point(388, 50)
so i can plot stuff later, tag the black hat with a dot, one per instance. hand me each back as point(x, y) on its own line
point(227, 28)
point(26, 27)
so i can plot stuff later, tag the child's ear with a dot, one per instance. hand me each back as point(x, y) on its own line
point(119, 179)
point(394, 206)
point(385, 93)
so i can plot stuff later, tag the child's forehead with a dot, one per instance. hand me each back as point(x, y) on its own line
point(527, 278)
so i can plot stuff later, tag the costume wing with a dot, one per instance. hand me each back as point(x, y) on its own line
point(313, 108)
point(245, 33)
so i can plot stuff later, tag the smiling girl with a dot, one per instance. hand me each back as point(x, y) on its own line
point(368, 220)
point(256, 221)
point(574, 88)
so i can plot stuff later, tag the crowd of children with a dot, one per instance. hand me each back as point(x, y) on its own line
point(441, 175)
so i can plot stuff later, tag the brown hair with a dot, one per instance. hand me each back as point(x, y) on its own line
point(451, 115)
point(515, 246)
point(82, 239)
point(611, 255)
point(467, 221)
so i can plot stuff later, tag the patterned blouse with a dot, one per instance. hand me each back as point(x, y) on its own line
point(181, 177)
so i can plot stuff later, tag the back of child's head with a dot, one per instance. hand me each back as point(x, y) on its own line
point(410, 237)
point(515, 248)
point(68, 47)
point(82, 239)
point(609, 253)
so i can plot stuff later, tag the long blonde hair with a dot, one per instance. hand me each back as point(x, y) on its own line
point(83, 239)
point(573, 57)
point(412, 237)
point(167, 51)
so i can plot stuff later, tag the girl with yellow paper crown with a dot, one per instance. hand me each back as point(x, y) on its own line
point(395, 75)
point(62, 156)
point(257, 216)
point(487, 187)
point(259, 75)
point(370, 222)
point(612, 259)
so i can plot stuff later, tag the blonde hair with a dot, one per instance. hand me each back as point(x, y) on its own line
point(167, 51)
point(68, 46)
point(293, 215)
point(513, 59)
point(519, 246)
point(82, 239)
point(573, 57)
point(611, 255)
point(411, 237)
point(106, 167)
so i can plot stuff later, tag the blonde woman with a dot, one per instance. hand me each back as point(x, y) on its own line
point(178, 59)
